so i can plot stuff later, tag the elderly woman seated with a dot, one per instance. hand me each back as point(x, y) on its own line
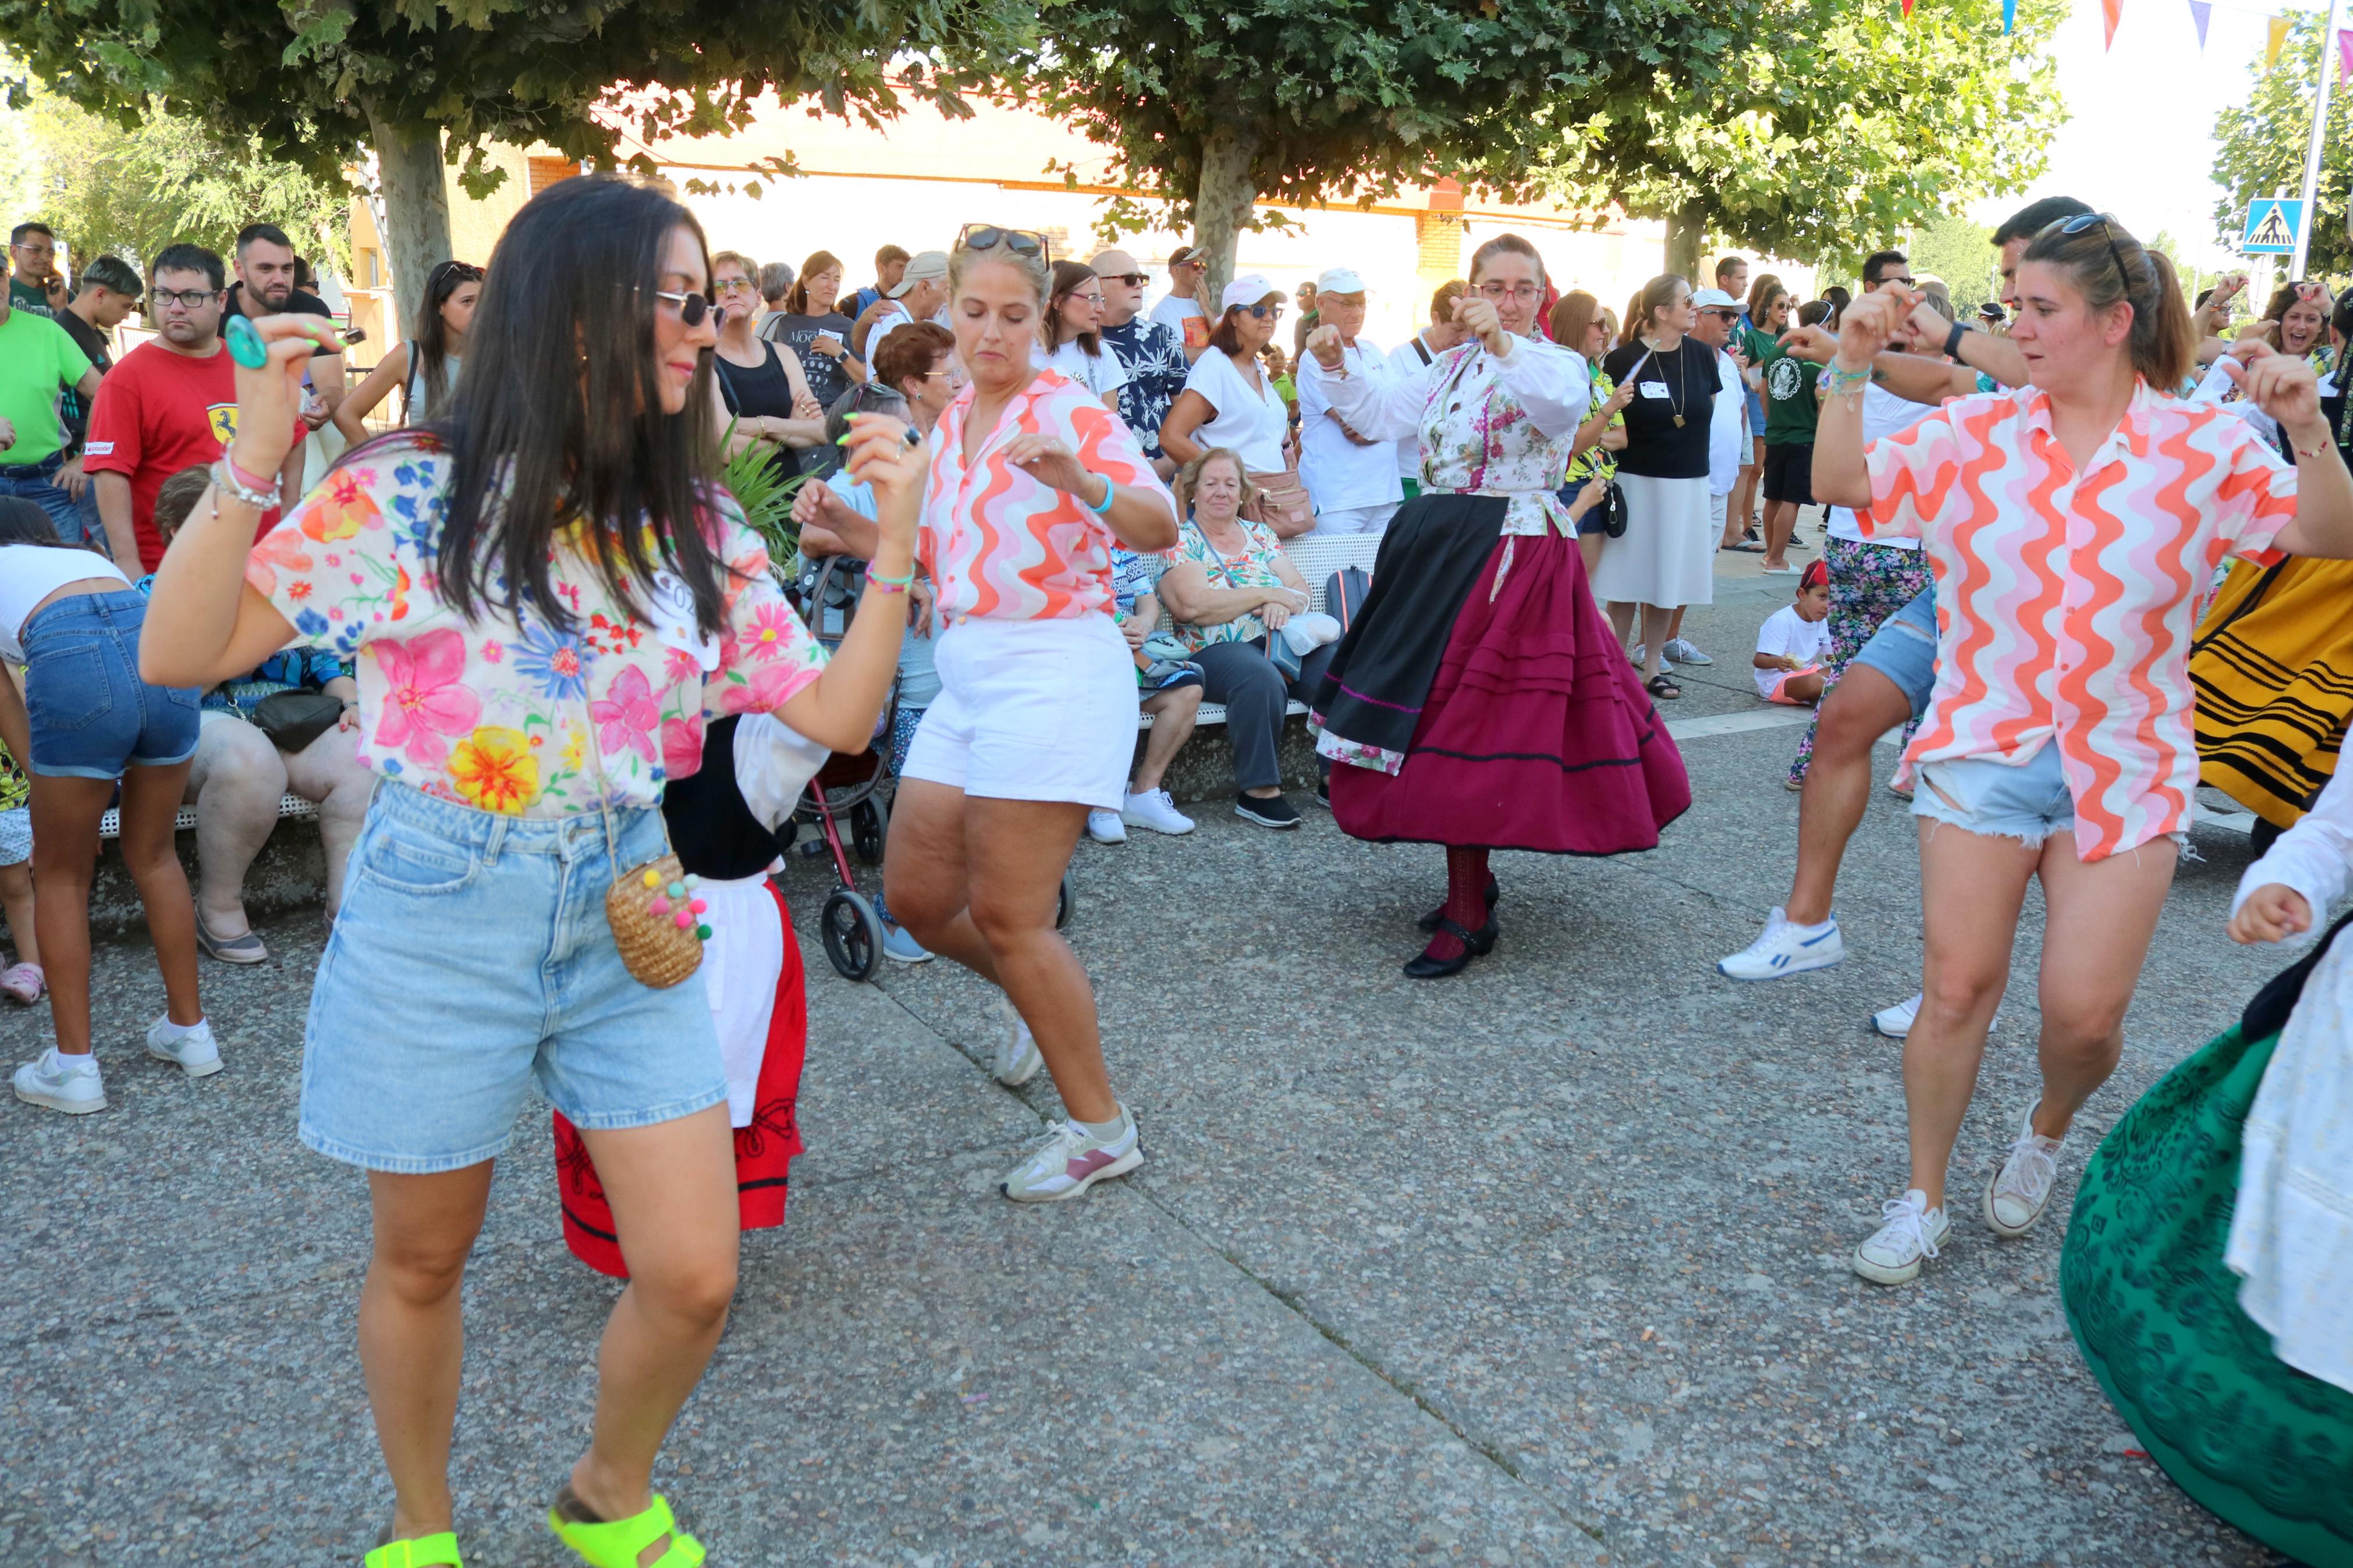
point(241, 775)
point(1239, 606)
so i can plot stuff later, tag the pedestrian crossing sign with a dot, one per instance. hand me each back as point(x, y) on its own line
point(2273, 223)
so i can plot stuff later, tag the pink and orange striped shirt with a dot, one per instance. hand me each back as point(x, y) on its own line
point(996, 542)
point(2066, 602)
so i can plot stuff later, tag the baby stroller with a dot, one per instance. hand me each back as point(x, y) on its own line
point(860, 786)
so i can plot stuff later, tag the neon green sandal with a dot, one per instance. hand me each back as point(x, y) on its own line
point(425, 1552)
point(616, 1544)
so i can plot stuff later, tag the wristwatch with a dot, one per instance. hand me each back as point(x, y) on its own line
point(1953, 343)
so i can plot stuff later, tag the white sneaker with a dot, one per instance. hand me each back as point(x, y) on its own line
point(1681, 647)
point(1642, 647)
point(193, 1051)
point(1785, 949)
point(1155, 810)
point(1896, 1022)
point(47, 1081)
point(1103, 827)
point(2016, 1194)
point(1070, 1161)
point(1017, 1060)
point(1913, 1231)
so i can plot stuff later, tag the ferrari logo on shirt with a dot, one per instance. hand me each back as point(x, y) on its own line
point(222, 416)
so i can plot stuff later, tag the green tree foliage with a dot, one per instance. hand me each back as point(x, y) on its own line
point(134, 191)
point(1209, 106)
point(2260, 142)
point(1829, 127)
point(317, 82)
point(1959, 252)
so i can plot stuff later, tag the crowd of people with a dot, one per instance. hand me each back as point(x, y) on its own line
point(557, 705)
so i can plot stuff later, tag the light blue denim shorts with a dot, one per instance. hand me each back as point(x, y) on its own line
point(2029, 802)
point(471, 957)
point(1903, 649)
point(91, 715)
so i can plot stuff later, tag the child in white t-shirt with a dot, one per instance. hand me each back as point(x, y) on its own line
point(1794, 641)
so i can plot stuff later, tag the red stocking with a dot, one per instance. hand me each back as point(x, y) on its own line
point(1466, 900)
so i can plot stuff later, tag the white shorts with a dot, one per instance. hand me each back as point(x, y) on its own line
point(1338, 523)
point(1031, 710)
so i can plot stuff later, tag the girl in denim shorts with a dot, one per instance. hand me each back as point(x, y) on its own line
point(547, 600)
point(70, 621)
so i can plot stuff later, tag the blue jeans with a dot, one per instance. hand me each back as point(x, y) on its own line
point(76, 520)
point(91, 715)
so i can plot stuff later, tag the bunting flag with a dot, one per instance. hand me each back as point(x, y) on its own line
point(2111, 12)
point(2009, 16)
point(1907, 10)
point(2343, 55)
point(2201, 12)
point(2272, 45)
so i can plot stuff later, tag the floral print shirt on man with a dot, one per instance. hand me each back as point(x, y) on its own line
point(501, 716)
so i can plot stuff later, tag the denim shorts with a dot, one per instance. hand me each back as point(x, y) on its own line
point(1903, 649)
point(471, 958)
point(2029, 802)
point(91, 714)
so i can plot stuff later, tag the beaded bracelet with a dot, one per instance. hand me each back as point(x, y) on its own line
point(225, 479)
point(891, 585)
point(1843, 380)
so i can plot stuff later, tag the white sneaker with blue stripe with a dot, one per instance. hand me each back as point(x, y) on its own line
point(1785, 949)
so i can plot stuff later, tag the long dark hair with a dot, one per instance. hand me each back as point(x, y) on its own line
point(559, 417)
point(428, 343)
point(23, 521)
point(1067, 276)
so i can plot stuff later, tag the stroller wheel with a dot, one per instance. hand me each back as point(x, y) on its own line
point(1066, 904)
point(853, 934)
point(870, 824)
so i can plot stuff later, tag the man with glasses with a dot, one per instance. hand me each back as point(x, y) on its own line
point(38, 364)
point(1352, 478)
point(1885, 267)
point(35, 284)
point(265, 271)
point(109, 292)
point(169, 404)
point(1150, 352)
point(1179, 310)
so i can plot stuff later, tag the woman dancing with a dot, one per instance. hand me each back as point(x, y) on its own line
point(1032, 481)
point(2071, 524)
point(1480, 698)
point(547, 603)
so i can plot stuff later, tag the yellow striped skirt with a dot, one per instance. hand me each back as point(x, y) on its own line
point(2273, 668)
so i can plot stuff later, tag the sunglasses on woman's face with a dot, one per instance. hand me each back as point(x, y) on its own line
point(1264, 311)
point(691, 307)
point(1019, 241)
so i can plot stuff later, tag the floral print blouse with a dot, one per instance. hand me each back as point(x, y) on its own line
point(1254, 568)
point(1489, 426)
point(499, 715)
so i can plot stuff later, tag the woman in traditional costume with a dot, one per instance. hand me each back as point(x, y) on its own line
point(1479, 699)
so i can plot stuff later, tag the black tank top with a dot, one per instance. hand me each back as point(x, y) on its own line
point(760, 392)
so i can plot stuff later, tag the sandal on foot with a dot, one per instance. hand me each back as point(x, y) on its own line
point(425, 1552)
point(1661, 688)
point(615, 1543)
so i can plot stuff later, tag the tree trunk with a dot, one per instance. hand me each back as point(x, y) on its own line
point(416, 208)
point(1686, 229)
point(1223, 206)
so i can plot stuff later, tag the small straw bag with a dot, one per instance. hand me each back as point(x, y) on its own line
point(654, 908)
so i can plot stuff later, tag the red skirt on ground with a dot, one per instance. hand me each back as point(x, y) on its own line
point(1536, 733)
point(764, 1150)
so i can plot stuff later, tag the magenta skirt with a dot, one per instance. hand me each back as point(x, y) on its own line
point(1533, 730)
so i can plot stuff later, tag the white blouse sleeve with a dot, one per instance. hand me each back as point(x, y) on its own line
point(2313, 856)
point(1548, 381)
point(1382, 407)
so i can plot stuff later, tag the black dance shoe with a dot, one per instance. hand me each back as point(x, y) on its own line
point(1475, 944)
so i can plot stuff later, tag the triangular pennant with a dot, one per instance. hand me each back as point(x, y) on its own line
point(2272, 44)
point(2111, 13)
point(2201, 12)
point(1907, 10)
point(2343, 55)
point(2009, 16)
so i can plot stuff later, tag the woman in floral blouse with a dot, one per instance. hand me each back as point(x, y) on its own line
point(547, 602)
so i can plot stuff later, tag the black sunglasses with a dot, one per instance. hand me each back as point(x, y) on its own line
point(1019, 241)
point(2071, 227)
point(691, 308)
point(1264, 311)
point(1133, 280)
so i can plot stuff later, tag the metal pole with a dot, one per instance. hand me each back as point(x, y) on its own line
point(2319, 125)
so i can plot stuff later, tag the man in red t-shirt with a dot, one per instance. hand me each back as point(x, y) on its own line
point(167, 405)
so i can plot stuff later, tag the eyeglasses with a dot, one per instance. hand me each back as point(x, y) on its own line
point(691, 307)
point(734, 286)
point(1094, 300)
point(186, 298)
point(1264, 311)
point(2071, 227)
point(1906, 279)
point(1133, 280)
point(1520, 291)
point(1019, 241)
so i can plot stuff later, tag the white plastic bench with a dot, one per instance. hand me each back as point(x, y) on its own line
point(1316, 558)
point(291, 807)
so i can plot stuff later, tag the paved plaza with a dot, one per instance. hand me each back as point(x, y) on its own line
point(1543, 1264)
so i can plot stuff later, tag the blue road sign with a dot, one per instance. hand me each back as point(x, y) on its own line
point(2272, 223)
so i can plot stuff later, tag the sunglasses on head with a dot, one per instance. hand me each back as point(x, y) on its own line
point(2071, 227)
point(1019, 241)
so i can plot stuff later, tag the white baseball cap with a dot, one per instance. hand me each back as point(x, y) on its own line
point(926, 264)
point(1339, 280)
point(1247, 289)
point(1713, 300)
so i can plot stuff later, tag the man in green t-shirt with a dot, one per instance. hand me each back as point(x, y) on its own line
point(39, 364)
point(1792, 405)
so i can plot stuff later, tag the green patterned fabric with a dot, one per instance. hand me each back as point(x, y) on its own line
point(2156, 1314)
point(15, 787)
